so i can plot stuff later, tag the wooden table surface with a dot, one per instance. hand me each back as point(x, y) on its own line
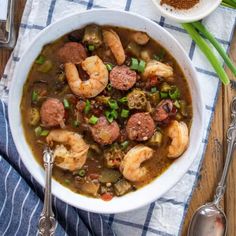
point(216, 149)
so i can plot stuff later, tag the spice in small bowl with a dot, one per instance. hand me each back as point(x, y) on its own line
point(180, 4)
point(184, 11)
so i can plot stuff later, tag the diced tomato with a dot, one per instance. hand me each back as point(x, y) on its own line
point(174, 111)
point(97, 111)
point(66, 114)
point(80, 105)
point(165, 122)
point(93, 176)
point(106, 196)
point(43, 92)
point(73, 99)
point(152, 81)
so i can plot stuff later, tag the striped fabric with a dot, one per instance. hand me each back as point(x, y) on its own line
point(20, 195)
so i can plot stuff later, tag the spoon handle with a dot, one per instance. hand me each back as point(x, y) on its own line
point(231, 140)
point(47, 219)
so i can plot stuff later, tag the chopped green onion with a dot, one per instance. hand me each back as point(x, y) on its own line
point(38, 131)
point(109, 87)
point(114, 114)
point(174, 93)
point(165, 87)
point(75, 123)
point(87, 107)
point(109, 66)
point(40, 60)
point(160, 56)
point(109, 116)
point(163, 95)
point(134, 64)
point(81, 172)
point(34, 116)
point(157, 58)
point(154, 97)
point(45, 67)
point(44, 133)
point(141, 66)
point(133, 49)
point(67, 181)
point(124, 113)
point(61, 77)
point(125, 144)
point(183, 108)
point(153, 90)
point(177, 104)
point(113, 104)
point(66, 103)
point(178, 116)
point(123, 100)
point(216, 44)
point(207, 51)
point(91, 48)
point(34, 96)
point(93, 120)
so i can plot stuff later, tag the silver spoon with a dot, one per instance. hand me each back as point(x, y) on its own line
point(47, 219)
point(209, 219)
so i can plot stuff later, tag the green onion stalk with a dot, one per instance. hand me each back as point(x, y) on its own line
point(201, 28)
point(207, 51)
point(229, 3)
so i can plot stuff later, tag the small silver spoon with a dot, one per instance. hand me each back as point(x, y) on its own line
point(47, 219)
point(209, 219)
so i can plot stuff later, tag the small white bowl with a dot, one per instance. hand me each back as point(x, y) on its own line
point(198, 12)
point(160, 185)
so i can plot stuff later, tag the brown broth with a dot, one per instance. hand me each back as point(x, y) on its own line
point(95, 163)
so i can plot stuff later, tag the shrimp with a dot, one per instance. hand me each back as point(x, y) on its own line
point(141, 38)
point(112, 39)
point(178, 132)
point(98, 77)
point(130, 165)
point(156, 68)
point(71, 159)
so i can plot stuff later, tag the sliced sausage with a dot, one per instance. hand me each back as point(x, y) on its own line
point(140, 127)
point(122, 77)
point(104, 132)
point(72, 52)
point(52, 112)
point(163, 110)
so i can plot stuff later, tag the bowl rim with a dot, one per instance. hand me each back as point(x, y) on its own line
point(185, 18)
point(97, 205)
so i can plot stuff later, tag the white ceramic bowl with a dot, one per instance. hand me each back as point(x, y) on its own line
point(198, 12)
point(170, 177)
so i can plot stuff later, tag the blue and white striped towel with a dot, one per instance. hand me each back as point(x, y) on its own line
point(163, 217)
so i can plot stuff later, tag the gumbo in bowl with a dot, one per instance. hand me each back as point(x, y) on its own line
point(113, 105)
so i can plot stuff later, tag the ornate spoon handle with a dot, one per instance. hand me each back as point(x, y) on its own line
point(231, 140)
point(47, 219)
